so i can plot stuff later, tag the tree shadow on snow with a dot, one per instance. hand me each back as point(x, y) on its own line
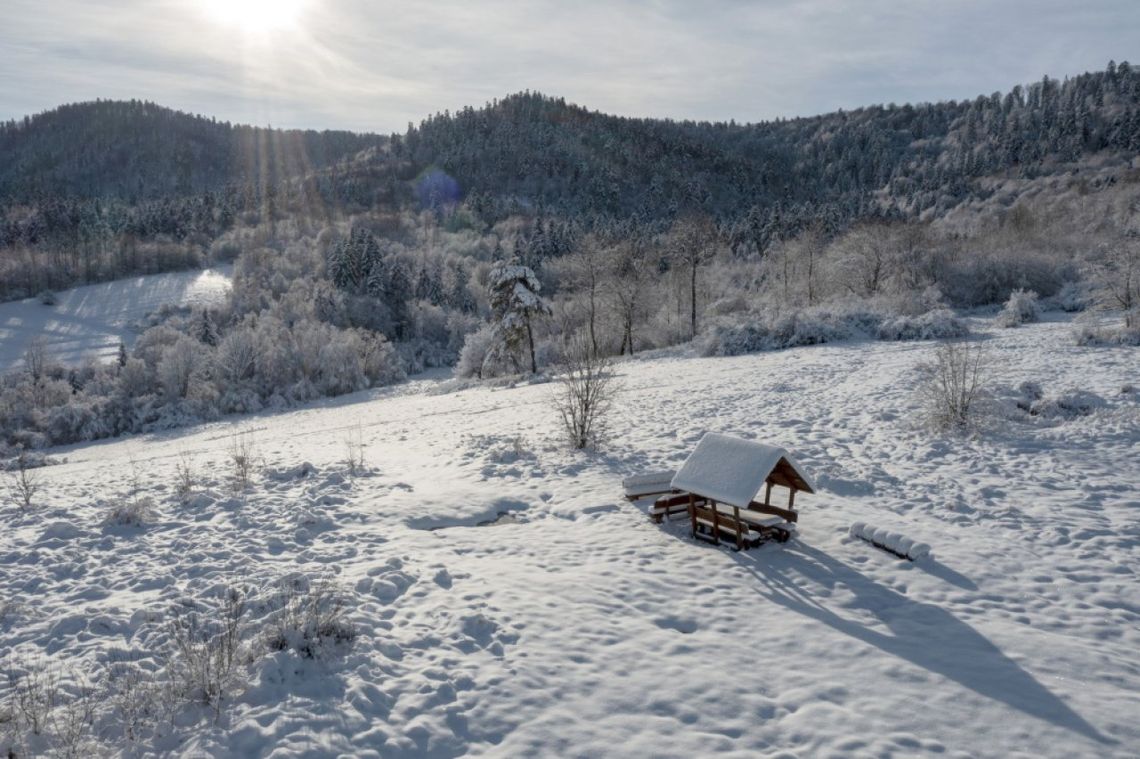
point(923, 634)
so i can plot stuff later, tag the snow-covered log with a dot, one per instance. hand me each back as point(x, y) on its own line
point(892, 542)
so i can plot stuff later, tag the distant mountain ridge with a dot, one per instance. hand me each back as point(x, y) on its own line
point(531, 154)
point(138, 151)
point(907, 160)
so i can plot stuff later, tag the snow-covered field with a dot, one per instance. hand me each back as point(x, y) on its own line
point(90, 321)
point(576, 627)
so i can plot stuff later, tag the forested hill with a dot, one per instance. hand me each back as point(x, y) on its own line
point(81, 187)
point(537, 150)
point(137, 151)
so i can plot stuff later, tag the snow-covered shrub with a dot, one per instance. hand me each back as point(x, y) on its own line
point(1089, 330)
point(1073, 297)
point(378, 359)
point(773, 331)
point(842, 320)
point(153, 343)
point(1067, 405)
point(76, 421)
point(311, 618)
point(339, 367)
point(953, 386)
point(938, 324)
point(1021, 308)
point(236, 358)
point(47, 297)
point(134, 378)
point(473, 356)
point(181, 364)
point(917, 302)
point(135, 511)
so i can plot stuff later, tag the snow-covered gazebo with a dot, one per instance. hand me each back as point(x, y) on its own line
point(719, 483)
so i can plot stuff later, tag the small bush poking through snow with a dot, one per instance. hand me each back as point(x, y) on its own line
point(133, 512)
point(953, 386)
point(312, 617)
point(136, 697)
point(47, 710)
point(206, 652)
point(184, 475)
point(243, 456)
point(354, 451)
point(1021, 308)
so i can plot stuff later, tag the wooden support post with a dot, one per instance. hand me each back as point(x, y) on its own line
point(716, 523)
point(693, 514)
point(768, 495)
point(791, 499)
point(739, 532)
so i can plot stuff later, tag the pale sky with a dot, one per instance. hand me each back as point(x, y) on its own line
point(375, 66)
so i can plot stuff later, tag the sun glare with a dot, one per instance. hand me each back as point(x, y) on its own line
point(255, 15)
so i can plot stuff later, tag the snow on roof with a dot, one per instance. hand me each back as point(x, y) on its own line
point(730, 470)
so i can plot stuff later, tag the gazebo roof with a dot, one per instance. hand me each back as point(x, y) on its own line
point(731, 470)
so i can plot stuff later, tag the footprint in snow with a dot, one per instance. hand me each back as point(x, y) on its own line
point(684, 626)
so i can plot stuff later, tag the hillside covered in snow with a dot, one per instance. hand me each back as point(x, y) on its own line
point(89, 322)
point(482, 589)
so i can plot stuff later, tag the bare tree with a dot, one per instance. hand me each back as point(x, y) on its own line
point(694, 239)
point(954, 384)
point(25, 483)
point(36, 358)
point(585, 393)
point(863, 258)
point(586, 274)
point(1118, 278)
point(628, 273)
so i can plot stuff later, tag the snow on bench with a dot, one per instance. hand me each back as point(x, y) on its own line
point(893, 542)
point(642, 485)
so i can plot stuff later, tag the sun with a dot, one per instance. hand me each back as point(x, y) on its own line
point(255, 16)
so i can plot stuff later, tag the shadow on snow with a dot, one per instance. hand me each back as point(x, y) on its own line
point(926, 635)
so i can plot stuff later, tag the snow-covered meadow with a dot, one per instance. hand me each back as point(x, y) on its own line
point(90, 321)
point(508, 601)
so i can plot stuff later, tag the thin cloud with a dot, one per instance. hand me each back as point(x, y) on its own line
point(378, 65)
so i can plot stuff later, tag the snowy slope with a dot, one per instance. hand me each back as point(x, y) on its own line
point(576, 627)
point(91, 320)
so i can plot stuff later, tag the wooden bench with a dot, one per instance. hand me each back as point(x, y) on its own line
point(746, 527)
point(645, 485)
point(672, 505)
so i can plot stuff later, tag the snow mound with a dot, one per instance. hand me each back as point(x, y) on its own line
point(895, 542)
